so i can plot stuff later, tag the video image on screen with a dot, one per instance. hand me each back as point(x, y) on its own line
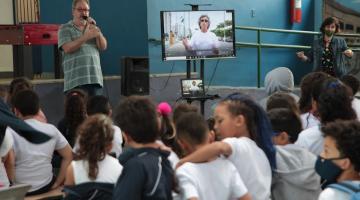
point(192, 87)
point(197, 34)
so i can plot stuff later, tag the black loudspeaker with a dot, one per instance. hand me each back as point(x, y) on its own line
point(135, 76)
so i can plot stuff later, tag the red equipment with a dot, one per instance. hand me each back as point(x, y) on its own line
point(29, 34)
point(295, 11)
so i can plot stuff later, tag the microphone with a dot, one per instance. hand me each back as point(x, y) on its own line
point(84, 17)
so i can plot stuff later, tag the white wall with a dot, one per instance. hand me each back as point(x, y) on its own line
point(6, 55)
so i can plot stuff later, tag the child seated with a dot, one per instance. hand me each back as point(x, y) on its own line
point(215, 179)
point(74, 114)
point(147, 172)
point(99, 104)
point(339, 162)
point(280, 79)
point(332, 101)
point(20, 84)
point(246, 141)
point(295, 177)
point(33, 161)
point(179, 110)
point(6, 156)
point(309, 115)
point(92, 162)
point(167, 132)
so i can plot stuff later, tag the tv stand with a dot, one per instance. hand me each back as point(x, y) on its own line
point(202, 100)
point(195, 7)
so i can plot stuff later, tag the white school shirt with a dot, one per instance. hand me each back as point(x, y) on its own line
point(311, 139)
point(333, 194)
point(355, 104)
point(109, 170)
point(253, 166)
point(33, 161)
point(5, 147)
point(308, 120)
point(214, 180)
point(173, 158)
point(117, 141)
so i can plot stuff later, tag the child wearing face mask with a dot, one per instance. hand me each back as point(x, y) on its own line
point(339, 162)
point(246, 133)
point(327, 52)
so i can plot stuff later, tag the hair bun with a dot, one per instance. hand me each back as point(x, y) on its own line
point(164, 108)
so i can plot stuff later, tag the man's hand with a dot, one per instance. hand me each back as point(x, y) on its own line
point(91, 31)
point(302, 56)
point(186, 44)
point(90, 20)
point(348, 53)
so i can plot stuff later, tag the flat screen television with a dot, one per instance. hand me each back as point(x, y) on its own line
point(188, 35)
point(193, 87)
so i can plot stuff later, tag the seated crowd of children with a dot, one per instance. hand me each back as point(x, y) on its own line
point(284, 148)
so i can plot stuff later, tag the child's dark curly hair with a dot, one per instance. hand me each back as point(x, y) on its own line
point(333, 101)
point(17, 85)
point(306, 87)
point(347, 137)
point(75, 108)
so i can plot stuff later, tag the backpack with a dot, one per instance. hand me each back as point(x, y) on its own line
point(89, 190)
point(349, 187)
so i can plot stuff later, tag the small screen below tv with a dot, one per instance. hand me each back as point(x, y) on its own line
point(188, 35)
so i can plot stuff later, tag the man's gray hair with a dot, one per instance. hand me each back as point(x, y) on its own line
point(77, 1)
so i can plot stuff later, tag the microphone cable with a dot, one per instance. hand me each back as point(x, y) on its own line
point(167, 80)
point(212, 76)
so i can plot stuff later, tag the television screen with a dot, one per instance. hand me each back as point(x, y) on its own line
point(202, 34)
point(192, 88)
